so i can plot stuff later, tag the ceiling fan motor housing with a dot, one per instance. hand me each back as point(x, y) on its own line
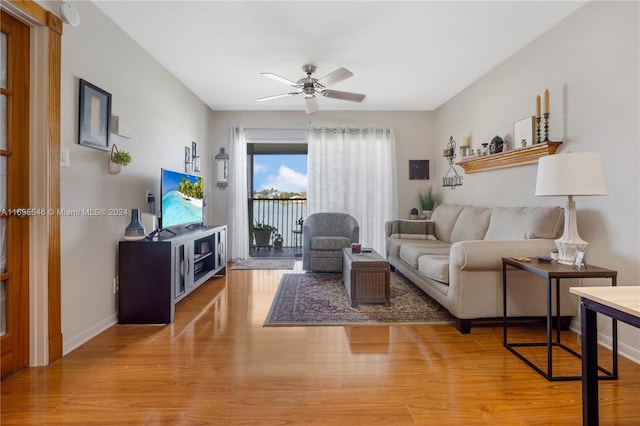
point(310, 86)
point(309, 69)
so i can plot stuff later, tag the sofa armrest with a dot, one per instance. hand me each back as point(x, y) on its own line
point(485, 255)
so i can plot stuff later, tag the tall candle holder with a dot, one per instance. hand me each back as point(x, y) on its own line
point(546, 127)
point(538, 129)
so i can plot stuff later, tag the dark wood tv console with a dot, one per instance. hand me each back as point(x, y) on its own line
point(155, 274)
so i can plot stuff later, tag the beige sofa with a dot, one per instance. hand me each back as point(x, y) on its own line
point(456, 259)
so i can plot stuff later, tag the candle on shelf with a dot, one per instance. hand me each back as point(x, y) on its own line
point(538, 106)
point(546, 101)
point(464, 141)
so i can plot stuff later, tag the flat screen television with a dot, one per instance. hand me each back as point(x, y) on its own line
point(181, 202)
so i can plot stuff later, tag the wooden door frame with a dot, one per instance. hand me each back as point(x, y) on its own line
point(48, 285)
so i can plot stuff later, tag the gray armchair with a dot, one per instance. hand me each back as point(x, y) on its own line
point(324, 235)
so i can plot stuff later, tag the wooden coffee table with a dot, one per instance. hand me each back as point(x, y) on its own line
point(366, 277)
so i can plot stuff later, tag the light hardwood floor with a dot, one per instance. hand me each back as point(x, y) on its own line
point(217, 364)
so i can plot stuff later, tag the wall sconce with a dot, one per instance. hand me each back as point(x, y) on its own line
point(450, 151)
point(195, 159)
point(452, 178)
point(188, 161)
point(222, 163)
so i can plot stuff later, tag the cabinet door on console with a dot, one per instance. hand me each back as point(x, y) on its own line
point(144, 295)
point(221, 252)
point(183, 269)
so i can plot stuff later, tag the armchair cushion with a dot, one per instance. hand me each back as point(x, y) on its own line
point(329, 243)
point(324, 235)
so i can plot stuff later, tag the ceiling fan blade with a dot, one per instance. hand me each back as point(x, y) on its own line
point(280, 79)
point(345, 96)
point(311, 105)
point(336, 76)
point(284, 95)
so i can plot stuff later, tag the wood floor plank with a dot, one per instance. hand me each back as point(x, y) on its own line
point(217, 364)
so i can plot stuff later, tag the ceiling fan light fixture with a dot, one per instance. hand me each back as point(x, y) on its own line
point(310, 87)
point(309, 90)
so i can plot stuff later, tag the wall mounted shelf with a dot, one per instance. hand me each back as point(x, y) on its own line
point(512, 158)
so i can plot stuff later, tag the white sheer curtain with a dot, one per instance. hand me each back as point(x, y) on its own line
point(237, 208)
point(354, 171)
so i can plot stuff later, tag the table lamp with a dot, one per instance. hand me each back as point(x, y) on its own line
point(570, 175)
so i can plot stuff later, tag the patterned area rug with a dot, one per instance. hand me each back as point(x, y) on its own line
point(321, 299)
point(264, 264)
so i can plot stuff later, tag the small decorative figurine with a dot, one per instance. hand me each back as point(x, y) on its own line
point(496, 145)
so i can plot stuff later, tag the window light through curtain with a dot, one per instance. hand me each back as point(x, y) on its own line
point(354, 171)
point(237, 210)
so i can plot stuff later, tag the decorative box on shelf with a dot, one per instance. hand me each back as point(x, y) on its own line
point(515, 157)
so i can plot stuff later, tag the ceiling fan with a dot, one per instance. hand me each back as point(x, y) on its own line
point(310, 87)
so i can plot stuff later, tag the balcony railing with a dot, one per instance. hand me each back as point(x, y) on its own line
point(283, 213)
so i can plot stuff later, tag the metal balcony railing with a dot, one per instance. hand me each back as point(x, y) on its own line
point(283, 213)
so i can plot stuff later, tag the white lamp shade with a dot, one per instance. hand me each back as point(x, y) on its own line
point(575, 173)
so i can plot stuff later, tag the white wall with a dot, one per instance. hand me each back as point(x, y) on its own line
point(591, 67)
point(413, 133)
point(165, 117)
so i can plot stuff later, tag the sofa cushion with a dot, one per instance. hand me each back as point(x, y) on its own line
point(444, 218)
point(410, 252)
point(471, 225)
point(435, 266)
point(329, 243)
point(523, 223)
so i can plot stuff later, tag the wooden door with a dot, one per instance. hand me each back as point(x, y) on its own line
point(14, 195)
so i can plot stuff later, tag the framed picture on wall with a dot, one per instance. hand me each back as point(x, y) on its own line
point(95, 116)
point(524, 132)
point(418, 169)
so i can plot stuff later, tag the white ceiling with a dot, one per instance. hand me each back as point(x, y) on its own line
point(412, 55)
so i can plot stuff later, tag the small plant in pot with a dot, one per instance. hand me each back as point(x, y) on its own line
point(428, 202)
point(278, 241)
point(117, 159)
point(121, 157)
point(262, 233)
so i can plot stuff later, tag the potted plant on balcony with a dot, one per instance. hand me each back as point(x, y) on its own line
point(277, 241)
point(262, 234)
point(428, 202)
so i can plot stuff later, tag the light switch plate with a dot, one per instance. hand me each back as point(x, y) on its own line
point(65, 158)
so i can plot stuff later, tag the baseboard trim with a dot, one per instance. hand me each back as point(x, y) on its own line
point(75, 342)
point(605, 340)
